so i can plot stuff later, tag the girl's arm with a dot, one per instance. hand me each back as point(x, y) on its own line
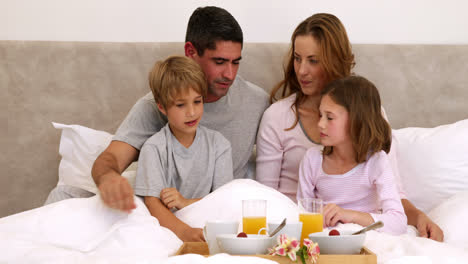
point(393, 215)
point(269, 150)
point(332, 214)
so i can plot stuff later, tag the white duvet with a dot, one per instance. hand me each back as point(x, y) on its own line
point(86, 231)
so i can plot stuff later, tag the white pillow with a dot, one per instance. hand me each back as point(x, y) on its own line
point(451, 216)
point(79, 148)
point(433, 162)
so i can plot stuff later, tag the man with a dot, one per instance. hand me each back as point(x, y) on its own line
point(233, 106)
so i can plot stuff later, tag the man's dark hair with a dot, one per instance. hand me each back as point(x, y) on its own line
point(210, 24)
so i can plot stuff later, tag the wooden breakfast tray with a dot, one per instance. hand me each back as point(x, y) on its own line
point(365, 257)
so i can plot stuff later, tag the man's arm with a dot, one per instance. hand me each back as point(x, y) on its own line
point(169, 220)
point(115, 190)
point(422, 222)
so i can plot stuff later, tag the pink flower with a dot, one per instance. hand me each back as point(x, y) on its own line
point(292, 255)
point(292, 249)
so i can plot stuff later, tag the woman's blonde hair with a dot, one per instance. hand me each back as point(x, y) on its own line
point(173, 76)
point(369, 131)
point(336, 56)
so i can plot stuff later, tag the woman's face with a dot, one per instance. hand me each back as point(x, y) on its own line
point(309, 71)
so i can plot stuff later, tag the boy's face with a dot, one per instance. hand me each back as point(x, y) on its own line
point(220, 67)
point(184, 114)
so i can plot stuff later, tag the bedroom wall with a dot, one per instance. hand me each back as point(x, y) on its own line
point(367, 21)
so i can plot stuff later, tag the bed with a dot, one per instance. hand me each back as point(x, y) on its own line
point(87, 88)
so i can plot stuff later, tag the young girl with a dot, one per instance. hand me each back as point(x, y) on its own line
point(352, 174)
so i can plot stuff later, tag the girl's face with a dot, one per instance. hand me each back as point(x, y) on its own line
point(307, 66)
point(334, 123)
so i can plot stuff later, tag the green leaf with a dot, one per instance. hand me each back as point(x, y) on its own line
point(302, 254)
point(302, 257)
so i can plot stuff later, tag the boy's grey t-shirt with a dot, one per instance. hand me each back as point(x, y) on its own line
point(236, 116)
point(195, 171)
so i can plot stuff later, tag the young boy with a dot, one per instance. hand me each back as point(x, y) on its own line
point(183, 161)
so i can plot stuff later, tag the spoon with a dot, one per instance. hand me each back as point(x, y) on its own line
point(283, 223)
point(373, 226)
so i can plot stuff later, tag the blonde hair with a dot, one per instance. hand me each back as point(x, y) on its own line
point(173, 76)
point(336, 56)
point(369, 131)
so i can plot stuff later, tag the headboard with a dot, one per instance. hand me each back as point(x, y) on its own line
point(94, 84)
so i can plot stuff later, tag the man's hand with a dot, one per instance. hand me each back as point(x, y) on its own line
point(192, 235)
point(428, 229)
point(116, 192)
point(172, 198)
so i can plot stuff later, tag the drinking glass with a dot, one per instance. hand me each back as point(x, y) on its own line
point(253, 216)
point(311, 216)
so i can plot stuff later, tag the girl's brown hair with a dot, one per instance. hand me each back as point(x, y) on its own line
point(175, 75)
point(369, 131)
point(336, 56)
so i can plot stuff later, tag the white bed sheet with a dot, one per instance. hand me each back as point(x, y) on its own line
point(86, 231)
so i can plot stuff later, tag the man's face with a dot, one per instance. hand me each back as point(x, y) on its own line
point(220, 67)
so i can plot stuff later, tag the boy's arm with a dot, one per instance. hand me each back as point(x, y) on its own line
point(115, 190)
point(169, 220)
point(172, 198)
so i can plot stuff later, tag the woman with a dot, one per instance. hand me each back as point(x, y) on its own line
point(320, 52)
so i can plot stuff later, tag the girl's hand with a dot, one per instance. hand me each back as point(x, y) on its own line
point(332, 214)
point(172, 198)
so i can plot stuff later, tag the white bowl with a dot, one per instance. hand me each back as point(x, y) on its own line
point(250, 245)
point(345, 243)
point(292, 230)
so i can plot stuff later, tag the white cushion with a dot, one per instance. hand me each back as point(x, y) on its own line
point(451, 216)
point(433, 162)
point(79, 148)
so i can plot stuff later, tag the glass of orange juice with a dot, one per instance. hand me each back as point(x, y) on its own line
point(311, 216)
point(253, 216)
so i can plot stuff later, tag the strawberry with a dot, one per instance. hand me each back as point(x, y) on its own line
point(242, 234)
point(334, 232)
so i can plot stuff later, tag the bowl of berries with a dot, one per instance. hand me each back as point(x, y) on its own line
point(338, 241)
point(243, 244)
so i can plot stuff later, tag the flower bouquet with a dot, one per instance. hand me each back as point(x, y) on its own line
point(292, 249)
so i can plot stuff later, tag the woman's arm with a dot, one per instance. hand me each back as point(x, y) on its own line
point(306, 185)
point(415, 217)
point(269, 150)
point(422, 222)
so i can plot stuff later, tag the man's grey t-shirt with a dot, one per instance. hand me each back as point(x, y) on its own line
point(194, 171)
point(236, 116)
